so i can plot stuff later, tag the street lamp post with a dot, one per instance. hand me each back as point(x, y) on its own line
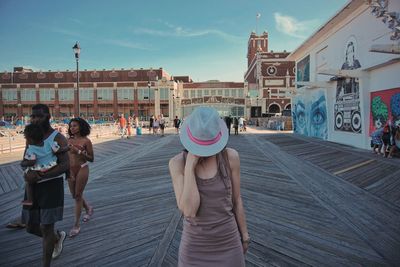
point(258, 115)
point(268, 97)
point(148, 106)
point(77, 51)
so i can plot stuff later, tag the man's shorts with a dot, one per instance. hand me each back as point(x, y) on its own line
point(48, 203)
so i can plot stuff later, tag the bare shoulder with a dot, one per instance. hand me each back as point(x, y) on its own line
point(176, 162)
point(87, 140)
point(233, 155)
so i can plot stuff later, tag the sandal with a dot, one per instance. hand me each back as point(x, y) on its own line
point(74, 231)
point(15, 225)
point(89, 215)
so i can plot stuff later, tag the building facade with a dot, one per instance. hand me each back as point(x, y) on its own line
point(348, 74)
point(102, 94)
point(226, 97)
point(269, 79)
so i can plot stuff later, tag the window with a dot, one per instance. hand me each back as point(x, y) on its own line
point(233, 93)
point(86, 94)
point(213, 92)
point(10, 95)
point(46, 94)
point(240, 93)
point(143, 93)
point(253, 93)
point(164, 93)
point(66, 94)
point(105, 94)
point(200, 93)
point(28, 94)
point(125, 94)
point(206, 92)
point(185, 94)
point(192, 93)
point(220, 92)
point(226, 92)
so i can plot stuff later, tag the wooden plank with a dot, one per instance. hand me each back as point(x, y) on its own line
point(353, 167)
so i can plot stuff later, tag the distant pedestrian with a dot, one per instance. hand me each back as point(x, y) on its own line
point(162, 124)
point(156, 124)
point(206, 181)
point(151, 124)
point(241, 123)
point(236, 125)
point(228, 121)
point(122, 125)
point(376, 141)
point(177, 123)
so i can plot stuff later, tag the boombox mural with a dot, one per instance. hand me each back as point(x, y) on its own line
point(347, 106)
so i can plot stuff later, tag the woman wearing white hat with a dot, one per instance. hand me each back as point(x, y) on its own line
point(206, 180)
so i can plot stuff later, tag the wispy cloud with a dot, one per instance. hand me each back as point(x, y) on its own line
point(179, 31)
point(67, 32)
point(77, 21)
point(291, 26)
point(128, 44)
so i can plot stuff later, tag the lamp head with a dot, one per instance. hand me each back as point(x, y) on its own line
point(77, 49)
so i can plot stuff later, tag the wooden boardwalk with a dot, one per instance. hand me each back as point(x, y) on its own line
point(308, 202)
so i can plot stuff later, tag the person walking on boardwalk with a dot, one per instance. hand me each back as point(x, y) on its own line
point(81, 151)
point(236, 125)
point(48, 191)
point(177, 123)
point(206, 181)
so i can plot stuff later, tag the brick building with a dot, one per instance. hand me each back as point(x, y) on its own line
point(269, 79)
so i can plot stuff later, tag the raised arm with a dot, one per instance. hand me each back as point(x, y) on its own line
point(184, 182)
point(234, 162)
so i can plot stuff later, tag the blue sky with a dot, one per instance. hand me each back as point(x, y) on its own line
point(205, 39)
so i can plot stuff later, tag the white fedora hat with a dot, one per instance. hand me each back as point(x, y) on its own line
point(203, 133)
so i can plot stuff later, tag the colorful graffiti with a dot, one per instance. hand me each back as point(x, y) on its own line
point(385, 107)
point(310, 115)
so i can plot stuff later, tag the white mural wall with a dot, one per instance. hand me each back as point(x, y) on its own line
point(347, 47)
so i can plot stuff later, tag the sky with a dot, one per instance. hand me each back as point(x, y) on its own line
point(204, 39)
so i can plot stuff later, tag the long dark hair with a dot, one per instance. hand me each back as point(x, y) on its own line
point(84, 127)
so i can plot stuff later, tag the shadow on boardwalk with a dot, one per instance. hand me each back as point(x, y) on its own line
point(308, 202)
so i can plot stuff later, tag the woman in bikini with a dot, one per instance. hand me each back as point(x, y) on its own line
point(81, 151)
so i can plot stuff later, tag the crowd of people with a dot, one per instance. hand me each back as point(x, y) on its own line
point(385, 140)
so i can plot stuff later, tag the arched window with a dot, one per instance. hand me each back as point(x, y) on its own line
point(274, 108)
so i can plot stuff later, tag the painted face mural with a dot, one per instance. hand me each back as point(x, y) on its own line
point(385, 108)
point(347, 106)
point(310, 116)
point(318, 122)
point(300, 117)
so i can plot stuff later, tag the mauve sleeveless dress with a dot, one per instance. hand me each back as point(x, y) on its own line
point(212, 238)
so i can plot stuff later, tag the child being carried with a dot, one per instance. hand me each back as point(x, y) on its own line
point(38, 156)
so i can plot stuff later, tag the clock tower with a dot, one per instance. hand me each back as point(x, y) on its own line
point(257, 43)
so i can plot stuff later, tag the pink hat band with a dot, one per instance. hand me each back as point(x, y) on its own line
point(203, 142)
